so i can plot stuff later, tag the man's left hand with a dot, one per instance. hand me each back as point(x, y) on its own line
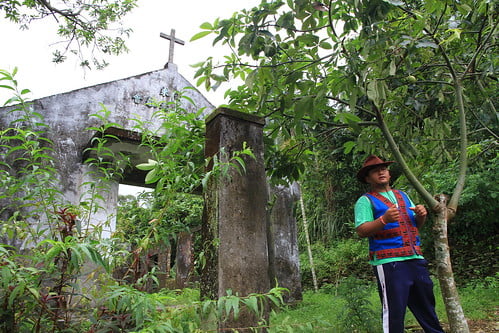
point(419, 210)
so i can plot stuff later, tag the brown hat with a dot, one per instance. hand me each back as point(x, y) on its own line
point(371, 162)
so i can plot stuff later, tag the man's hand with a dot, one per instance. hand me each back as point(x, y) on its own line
point(392, 214)
point(419, 210)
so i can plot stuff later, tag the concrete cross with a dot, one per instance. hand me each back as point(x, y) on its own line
point(172, 40)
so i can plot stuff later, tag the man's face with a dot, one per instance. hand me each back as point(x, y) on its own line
point(378, 176)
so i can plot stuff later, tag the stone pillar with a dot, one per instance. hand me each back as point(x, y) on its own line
point(234, 221)
point(283, 241)
point(163, 273)
point(184, 262)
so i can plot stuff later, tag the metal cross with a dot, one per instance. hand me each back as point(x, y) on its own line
point(172, 40)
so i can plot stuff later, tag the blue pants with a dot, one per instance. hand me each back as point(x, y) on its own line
point(403, 284)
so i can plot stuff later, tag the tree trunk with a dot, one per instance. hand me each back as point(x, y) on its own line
point(307, 237)
point(455, 314)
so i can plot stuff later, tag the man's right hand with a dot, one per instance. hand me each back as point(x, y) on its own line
point(391, 215)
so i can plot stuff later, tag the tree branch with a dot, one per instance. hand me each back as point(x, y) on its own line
point(463, 157)
point(339, 100)
point(66, 13)
point(479, 49)
point(309, 62)
point(330, 18)
point(427, 197)
point(337, 125)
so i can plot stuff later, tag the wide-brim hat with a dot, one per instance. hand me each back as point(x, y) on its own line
point(371, 162)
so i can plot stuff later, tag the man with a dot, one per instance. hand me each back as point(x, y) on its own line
point(391, 221)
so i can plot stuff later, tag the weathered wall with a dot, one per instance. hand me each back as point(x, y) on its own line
point(68, 117)
point(283, 241)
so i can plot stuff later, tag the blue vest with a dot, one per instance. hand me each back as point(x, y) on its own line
point(396, 239)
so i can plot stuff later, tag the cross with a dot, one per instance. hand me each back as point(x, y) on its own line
point(172, 40)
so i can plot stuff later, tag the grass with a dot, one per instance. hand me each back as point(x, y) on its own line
point(316, 310)
point(325, 310)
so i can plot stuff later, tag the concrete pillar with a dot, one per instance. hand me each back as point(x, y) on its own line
point(234, 222)
point(163, 273)
point(184, 259)
point(283, 241)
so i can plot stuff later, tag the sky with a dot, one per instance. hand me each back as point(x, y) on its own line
point(31, 52)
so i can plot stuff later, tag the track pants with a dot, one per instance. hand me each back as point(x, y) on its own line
point(403, 284)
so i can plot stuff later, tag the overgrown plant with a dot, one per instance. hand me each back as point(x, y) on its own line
point(358, 314)
point(29, 191)
point(127, 309)
point(104, 167)
point(335, 262)
point(41, 267)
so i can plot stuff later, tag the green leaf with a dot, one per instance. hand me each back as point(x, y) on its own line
point(274, 300)
point(200, 35)
point(54, 251)
point(207, 307)
point(376, 91)
point(326, 45)
point(205, 179)
point(206, 26)
point(152, 176)
point(423, 43)
point(241, 163)
point(393, 67)
point(347, 117)
point(303, 106)
point(19, 289)
point(251, 78)
point(308, 39)
point(349, 145)
point(395, 2)
point(252, 304)
point(34, 292)
point(151, 164)
point(286, 20)
point(232, 303)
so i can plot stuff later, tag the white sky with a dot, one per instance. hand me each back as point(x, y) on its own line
point(30, 50)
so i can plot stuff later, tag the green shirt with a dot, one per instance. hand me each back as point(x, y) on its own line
point(364, 213)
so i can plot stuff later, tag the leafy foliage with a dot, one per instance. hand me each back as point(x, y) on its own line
point(127, 309)
point(358, 313)
point(376, 67)
point(90, 25)
point(333, 263)
point(149, 222)
point(330, 188)
point(176, 146)
point(136, 214)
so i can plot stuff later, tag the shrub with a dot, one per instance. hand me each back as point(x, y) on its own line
point(346, 257)
point(358, 314)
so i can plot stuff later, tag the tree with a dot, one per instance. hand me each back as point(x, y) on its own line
point(88, 25)
point(406, 77)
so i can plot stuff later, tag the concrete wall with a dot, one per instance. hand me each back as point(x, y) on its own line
point(69, 115)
